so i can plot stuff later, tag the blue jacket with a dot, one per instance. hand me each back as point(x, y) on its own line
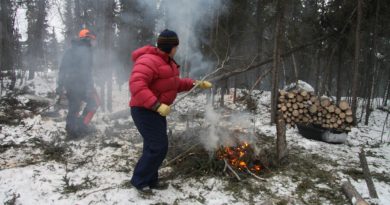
point(75, 72)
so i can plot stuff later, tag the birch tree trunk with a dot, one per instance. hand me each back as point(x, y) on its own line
point(355, 72)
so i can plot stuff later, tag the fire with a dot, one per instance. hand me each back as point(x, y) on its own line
point(239, 157)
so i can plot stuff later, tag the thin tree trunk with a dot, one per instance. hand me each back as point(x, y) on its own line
point(108, 39)
point(281, 143)
point(374, 58)
point(338, 81)
point(109, 94)
point(13, 79)
point(79, 24)
point(235, 90)
point(327, 77)
point(318, 72)
point(275, 71)
point(102, 86)
point(387, 93)
point(356, 61)
point(384, 125)
point(284, 77)
point(294, 65)
point(260, 28)
point(223, 92)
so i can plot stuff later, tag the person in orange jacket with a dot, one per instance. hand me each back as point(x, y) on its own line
point(75, 78)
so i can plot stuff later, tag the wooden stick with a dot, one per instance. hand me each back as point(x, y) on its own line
point(350, 191)
point(195, 86)
point(182, 154)
point(92, 192)
point(17, 165)
point(231, 169)
point(367, 174)
point(255, 176)
point(259, 80)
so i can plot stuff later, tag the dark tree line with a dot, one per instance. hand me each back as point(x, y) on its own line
point(9, 44)
point(339, 47)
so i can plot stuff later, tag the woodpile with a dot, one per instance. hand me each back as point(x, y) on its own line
point(302, 107)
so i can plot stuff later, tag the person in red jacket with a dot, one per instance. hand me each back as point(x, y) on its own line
point(154, 83)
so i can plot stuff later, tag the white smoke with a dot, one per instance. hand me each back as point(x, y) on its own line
point(189, 19)
point(211, 139)
point(227, 129)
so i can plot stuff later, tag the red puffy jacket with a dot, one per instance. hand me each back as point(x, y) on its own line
point(155, 78)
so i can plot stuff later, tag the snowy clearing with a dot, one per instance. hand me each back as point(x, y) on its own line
point(39, 166)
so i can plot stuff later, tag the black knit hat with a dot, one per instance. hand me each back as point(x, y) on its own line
point(167, 40)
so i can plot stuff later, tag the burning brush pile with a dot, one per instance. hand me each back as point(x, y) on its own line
point(240, 157)
point(222, 148)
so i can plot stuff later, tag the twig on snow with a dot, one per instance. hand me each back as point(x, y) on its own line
point(98, 190)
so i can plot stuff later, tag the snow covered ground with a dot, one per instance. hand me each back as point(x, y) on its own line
point(38, 166)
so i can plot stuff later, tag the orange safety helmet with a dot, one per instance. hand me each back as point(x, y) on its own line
point(86, 33)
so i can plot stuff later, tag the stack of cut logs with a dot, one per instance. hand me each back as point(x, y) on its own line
point(306, 108)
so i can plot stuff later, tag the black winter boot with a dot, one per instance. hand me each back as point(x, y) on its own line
point(160, 186)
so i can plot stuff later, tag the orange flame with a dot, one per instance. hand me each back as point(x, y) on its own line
point(237, 157)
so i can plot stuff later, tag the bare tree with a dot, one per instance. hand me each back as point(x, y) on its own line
point(276, 59)
point(7, 40)
point(36, 14)
point(373, 75)
point(355, 72)
point(339, 78)
point(108, 39)
point(68, 21)
point(387, 93)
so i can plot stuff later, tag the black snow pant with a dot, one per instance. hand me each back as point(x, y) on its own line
point(75, 122)
point(153, 129)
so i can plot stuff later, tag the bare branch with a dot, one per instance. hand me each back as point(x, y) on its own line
point(259, 80)
point(99, 190)
point(232, 170)
point(254, 175)
point(59, 10)
point(182, 154)
point(298, 48)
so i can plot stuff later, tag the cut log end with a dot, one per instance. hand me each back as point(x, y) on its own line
point(343, 105)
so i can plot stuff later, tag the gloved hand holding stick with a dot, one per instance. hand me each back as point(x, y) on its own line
point(196, 85)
